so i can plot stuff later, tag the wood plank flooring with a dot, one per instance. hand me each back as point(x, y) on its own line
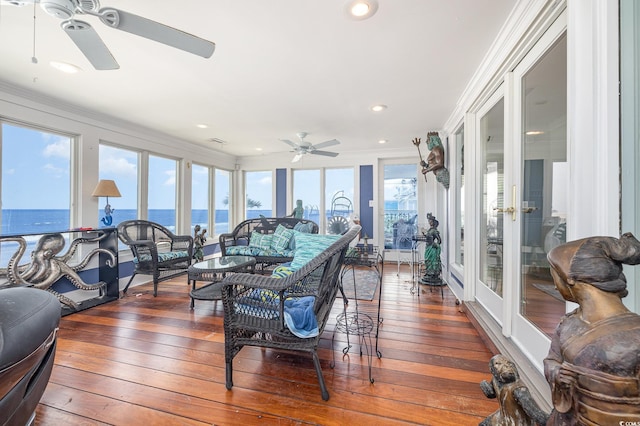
point(145, 360)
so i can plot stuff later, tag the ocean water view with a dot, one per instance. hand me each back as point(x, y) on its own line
point(37, 221)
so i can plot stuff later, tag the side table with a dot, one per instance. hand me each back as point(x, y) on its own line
point(213, 270)
point(358, 322)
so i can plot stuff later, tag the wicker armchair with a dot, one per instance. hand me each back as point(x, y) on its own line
point(254, 317)
point(156, 250)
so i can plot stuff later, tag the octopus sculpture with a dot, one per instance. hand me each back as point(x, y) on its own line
point(46, 267)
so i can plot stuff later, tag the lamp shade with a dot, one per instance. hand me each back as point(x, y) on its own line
point(106, 188)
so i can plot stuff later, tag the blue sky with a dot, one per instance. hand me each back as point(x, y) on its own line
point(35, 175)
point(35, 169)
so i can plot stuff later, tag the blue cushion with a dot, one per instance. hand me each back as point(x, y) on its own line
point(303, 227)
point(242, 251)
point(282, 271)
point(309, 246)
point(164, 256)
point(281, 238)
point(261, 241)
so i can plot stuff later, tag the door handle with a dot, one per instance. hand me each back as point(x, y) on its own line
point(529, 209)
point(511, 209)
point(507, 210)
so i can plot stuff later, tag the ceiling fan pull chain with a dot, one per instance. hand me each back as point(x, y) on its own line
point(33, 58)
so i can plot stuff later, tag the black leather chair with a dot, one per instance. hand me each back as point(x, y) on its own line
point(29, 320)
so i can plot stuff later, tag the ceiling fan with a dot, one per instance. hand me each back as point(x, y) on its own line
point(90, 43)
point(303, 147)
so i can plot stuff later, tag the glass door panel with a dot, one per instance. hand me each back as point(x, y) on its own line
point(492, 198)
point(400, 207)
point(543, 209)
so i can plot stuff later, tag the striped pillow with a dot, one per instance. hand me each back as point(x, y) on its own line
point(281, 238)
point(261, 241)
point(309, 246)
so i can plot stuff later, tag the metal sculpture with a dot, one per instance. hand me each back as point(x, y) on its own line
point(199, 238)
point(435, 159)
point(432, 264)
point(46, 268)
point(593, 363)
point(517, 407)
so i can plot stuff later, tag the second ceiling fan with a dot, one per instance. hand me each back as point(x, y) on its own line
point(303, 147)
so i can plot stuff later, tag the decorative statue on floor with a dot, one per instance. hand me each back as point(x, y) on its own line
point(298, 211)
point(593, 364)
point(432, 264)
point(435, 159)
point(199, 238)
point(517, 407)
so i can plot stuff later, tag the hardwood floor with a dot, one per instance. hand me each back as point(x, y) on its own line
point(146, 360)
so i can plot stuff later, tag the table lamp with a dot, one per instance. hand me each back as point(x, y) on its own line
point(106, 188)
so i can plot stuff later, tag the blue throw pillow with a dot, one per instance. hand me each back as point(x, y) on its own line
point(281, 238)
point(261, 241)
point(292, 241)
point(303, 227)
point(309, 246)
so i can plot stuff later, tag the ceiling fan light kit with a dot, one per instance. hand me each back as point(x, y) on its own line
point(90, 43)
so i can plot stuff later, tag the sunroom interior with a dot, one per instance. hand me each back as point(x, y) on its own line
point(189, 142)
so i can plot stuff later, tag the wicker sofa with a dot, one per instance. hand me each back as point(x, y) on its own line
point(243, 240)
point(156, 250)
point(257, 308)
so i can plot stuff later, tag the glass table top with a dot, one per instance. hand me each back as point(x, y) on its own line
point(224, 263)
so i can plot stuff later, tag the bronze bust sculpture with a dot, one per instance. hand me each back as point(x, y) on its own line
point(517, 406)
point(593, 365)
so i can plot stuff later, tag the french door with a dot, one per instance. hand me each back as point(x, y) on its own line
point(522, 180)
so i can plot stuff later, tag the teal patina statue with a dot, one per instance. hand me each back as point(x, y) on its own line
point(432, 264)
point(298, 211)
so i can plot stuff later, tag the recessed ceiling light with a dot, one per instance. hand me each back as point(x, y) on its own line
point(65, 67)
point(378, 108)
point(258, 149)
point(361, 9)
point(201, 126)
point(382, 141)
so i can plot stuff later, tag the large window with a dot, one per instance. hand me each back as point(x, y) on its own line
point(222, 201)
point(162, 191)
point(200, 195)
point(121, 166)
point(259, 194)
point(36, 180)
point(306, 187)
point(338, 191)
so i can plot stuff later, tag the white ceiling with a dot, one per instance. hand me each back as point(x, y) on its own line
point(280, 67)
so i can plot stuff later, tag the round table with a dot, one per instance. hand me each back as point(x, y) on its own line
point(214, 270)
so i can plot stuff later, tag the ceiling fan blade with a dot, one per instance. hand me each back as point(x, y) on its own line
point(325, 153)
point(296, 158)
point(288, 142)
point(156, 31)
point(326, 144)
point(90, 44)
